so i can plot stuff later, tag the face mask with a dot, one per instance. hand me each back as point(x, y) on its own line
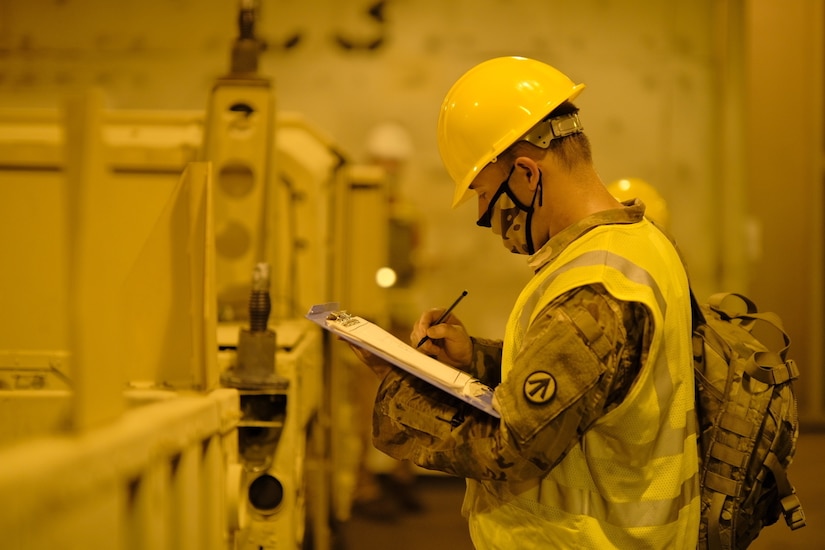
point(511, 219)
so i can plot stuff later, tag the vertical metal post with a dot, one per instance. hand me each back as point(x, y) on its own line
point(94, 282)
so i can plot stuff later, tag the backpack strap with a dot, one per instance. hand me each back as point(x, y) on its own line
point(791, 507)
point(732, 304)
point(740, 308)
point(714, 528)
point(769, 368)
point(697, 317)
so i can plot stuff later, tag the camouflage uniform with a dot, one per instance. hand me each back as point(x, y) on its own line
point(592, 343)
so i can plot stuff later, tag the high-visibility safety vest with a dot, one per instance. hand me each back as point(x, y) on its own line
point(632, 481)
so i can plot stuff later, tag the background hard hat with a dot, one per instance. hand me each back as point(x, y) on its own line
point(389, 140)
point(490, 107)
point(636, 188)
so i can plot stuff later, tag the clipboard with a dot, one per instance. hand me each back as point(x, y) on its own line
point(376, 340)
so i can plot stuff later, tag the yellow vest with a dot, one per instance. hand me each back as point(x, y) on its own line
point(632, 482)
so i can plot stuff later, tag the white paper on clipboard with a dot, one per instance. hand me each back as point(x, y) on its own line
point(373, 338)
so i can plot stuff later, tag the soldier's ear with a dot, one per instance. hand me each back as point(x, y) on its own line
point(529, 170)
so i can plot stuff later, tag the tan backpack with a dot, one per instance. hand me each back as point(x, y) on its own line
point(748, 424)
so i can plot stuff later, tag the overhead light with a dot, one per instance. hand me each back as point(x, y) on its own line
point(386, 277)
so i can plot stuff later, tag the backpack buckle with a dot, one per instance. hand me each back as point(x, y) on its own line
point(792, 510)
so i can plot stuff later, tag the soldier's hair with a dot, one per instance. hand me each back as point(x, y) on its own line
point(571, 151)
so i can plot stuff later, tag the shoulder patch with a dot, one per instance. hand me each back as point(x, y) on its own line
point(539, 387)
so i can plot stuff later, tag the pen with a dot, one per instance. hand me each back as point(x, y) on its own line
point(443, 316)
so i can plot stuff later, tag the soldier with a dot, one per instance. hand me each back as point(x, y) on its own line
point(596, 444)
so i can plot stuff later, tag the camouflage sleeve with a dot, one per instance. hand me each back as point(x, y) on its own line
point(486, 362)
point(414, 421)
point(570, 366)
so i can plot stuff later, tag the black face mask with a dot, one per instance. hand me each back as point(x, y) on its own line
point(513, 222)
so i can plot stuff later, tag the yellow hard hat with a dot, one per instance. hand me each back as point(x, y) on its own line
point(636, 188)
point(490, 107)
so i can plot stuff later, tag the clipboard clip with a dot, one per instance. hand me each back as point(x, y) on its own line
point(342, 317)
point(331, 313)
